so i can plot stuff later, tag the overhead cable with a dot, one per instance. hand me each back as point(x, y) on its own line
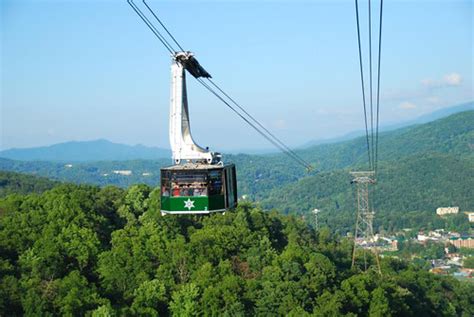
point(362, 83)
point(151, 26)
point(276, 139)
point(370, 88)
point(290, 154)
point(162, 24)
point(256, 124)
point(378, 88)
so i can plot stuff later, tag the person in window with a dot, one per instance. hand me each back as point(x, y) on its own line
point(189, 190)
point(176, 191)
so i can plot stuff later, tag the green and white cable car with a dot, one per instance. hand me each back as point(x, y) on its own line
point(197, 188)
point(198, 182)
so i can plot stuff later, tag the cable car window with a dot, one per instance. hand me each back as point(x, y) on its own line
point(165, 184)
point(188, 184)
point(188, 177)
point(215, 183)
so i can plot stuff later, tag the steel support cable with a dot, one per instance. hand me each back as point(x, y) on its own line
point(163, 25)
point(150, 26)
point(291, 155)
point(370, 88)
point(221, 90)
point(378, 89)
point(362, 82)
point(276, 139)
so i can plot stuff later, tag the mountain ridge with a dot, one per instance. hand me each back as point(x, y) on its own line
point(426, 118)
point(82, 151)
point(105, 150)
point(258, 175)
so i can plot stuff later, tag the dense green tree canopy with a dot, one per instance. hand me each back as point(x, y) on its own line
point(83, 250)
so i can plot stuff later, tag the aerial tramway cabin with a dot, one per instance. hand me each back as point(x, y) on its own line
point(198, 182)
point(198, 188)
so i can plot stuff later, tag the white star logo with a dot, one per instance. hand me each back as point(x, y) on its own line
point(189, 204)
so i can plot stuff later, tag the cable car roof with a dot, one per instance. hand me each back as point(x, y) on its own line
point(194, 166)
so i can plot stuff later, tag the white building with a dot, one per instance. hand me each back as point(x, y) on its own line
point(123, 172)
point(422, 237)
point(441, 211)
point(470, 215)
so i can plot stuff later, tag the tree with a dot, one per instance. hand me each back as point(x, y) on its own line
point(68, 252)
point(185, 301)
point(150, 299)
point(379, 305)
point(75, 296)
point(329, 304)
point(469, 262)
point(320, 273)
point(126, 265)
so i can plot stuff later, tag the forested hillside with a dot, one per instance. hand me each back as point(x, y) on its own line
point(422, 167)
point(412, 184)
point(90, 251)
point(97, 173)
point(259, 174)
point(453, 135)
point(15, 183)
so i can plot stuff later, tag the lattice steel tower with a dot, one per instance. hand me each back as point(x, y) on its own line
point(365, 215)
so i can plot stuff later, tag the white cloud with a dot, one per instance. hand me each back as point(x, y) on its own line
point(407, 105)
point(453, 79)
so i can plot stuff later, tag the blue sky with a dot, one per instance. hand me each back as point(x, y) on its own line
point(82, 70)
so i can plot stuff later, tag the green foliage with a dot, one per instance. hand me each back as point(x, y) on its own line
point(469, 262)
point(407, 195)
point(184, 301)
point(15, 183)
point(79, 250)
point(74, 295)
point(421, 167)
point(149, 299)
point(431, 250)
point(99, 173)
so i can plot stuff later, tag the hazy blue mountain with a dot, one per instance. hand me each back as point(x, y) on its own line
point(421, 167)
point(439, 114)
point(104, 150)
point(81, 151)
point(453, 135)
point(260, 174)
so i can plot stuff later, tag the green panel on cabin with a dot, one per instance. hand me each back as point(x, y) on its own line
point(216, 202)
point(191, 203)
point(165, 203)
point(187, 203)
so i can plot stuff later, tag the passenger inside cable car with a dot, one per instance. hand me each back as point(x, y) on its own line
point(188, 185)
point(210, 189)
